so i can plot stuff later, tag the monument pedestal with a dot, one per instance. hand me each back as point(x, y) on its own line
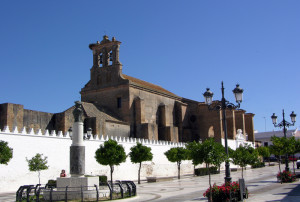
point(85, 182)
point(73, 188)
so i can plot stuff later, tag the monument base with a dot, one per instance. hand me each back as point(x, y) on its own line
point(72, 188)
point(85, 182)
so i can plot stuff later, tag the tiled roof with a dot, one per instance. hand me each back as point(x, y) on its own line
point(148, 85)
point(92, 110)
point(264, 135)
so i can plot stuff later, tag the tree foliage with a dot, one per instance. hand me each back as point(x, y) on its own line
point(177, 154)
point(243, 156)
point(264, 152)
point(279, 147)
point(138, 154)
point(211, 153)
point(5, 152)
point(37, 164)
point(194, 148)
point(111, 154)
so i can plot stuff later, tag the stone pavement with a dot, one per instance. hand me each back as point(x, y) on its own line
point(262, 185)
point(261, 182)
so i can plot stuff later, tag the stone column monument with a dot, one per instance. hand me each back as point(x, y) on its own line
point(77, 149)
point(77, 157)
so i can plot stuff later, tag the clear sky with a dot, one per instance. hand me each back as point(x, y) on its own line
point(183, 46)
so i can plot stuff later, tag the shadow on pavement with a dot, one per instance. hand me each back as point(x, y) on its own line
point(292, 194)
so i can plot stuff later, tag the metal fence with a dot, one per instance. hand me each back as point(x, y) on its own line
point(101, 192)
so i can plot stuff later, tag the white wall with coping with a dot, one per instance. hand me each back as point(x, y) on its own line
point(57, 148)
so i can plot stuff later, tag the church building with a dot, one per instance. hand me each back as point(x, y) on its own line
point(116, 104)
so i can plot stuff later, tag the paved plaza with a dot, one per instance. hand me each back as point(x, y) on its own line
point(261, 183)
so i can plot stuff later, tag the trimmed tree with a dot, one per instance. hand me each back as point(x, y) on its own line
point(243, 156)
point(37, 164)
point(264, 152)
point(5, 152)
point(177, 154)
point(138, 154)
point(280, 146)
point(210, 153)
point(193, 153)
point(111, 154)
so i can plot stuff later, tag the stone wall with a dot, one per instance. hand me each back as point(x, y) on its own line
point(108, 98)
point(56, 147)
point(249, 126)
point(149, 109)
point(14, 115)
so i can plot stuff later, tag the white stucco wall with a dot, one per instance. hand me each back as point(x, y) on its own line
point(57, 149)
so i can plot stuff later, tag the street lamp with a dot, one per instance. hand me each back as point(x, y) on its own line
point(284, 124)
point(223, 105)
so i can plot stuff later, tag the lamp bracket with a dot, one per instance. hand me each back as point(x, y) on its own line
point(284, 123)
point(219, 105)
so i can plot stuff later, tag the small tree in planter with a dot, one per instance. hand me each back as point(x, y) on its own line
point(210, 153)
point(193, 151)
point(111, 154)
point(280, 146)
point(264, 152)
point(37, 164)
point(243, 156)
point(177, 154)
point(5, 153)
point(294, 148)
point(138, 154)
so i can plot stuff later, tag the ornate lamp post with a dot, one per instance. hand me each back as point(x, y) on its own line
point(284, 124)
point(223, 105)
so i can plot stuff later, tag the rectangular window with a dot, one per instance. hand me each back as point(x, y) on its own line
point(119, 102)
point(266, 144)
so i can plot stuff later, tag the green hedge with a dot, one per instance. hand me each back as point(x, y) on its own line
point(258, 165)
point(102, 179)
point(204, 171)
point(51, 183)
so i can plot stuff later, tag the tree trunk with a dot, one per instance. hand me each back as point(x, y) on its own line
point(280, 170)
point(294, 164)
point(194, 170)
point(209, 179)
point(178, 167)
point(39, 174)
point(111, 177)
point(242, 172)
point(139, 179)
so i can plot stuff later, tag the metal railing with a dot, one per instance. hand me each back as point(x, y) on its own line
point(101, 192)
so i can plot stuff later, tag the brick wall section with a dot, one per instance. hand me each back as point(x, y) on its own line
point(38, 120)
point(230, 119)
point(107, 98)
point(11, 115)
point(15, 115)
point(240, 120)
point(208, 119)
point(249, 126)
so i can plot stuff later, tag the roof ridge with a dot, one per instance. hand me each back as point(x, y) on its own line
point(148, 85)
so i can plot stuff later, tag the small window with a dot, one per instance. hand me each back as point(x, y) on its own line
point(265, 144)
point(119, 102)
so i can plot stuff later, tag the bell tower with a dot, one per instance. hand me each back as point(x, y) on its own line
point(107, 68)
point(105, 53)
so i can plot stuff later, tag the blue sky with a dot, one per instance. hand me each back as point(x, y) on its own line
point(183, 46)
